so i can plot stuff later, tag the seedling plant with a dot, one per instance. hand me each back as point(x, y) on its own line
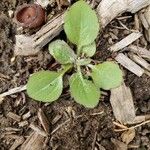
point(81, 27)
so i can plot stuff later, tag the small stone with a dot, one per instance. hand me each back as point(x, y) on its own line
point(10, 13)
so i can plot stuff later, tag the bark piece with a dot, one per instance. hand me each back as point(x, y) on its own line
point(140, 51)
point(129, 64)
point(30, 45)
point(33, 142)
point(126, 41)
point(110, 9)
point(122, 103)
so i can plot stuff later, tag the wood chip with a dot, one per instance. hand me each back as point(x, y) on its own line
point(23, 123)
point(129, 64)
point(12, 129)
point(143, 52)
point(14, 116)
point(44, 3)
point(107, 11)
point(122, 104)
point(30, 45)
point(144, 16)
point(26, 115)
point(1, 99)
point(110, 9)
point(100, 146)
point(126, 41)
point(33, 142)
point(17, 143)
point(140, 61)
point(38, 129)
point(44, 121)
point(13, 91)
point(56, 119)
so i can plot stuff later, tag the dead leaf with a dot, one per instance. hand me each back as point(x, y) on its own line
point(128, 136)
point(119, 145)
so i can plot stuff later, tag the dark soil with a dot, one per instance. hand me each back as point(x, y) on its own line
point(79, 132)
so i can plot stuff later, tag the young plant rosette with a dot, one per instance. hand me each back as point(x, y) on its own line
point(81, 27)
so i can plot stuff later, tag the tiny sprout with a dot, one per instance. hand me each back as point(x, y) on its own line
point(81, 27)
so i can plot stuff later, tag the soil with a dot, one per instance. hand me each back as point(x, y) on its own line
point(83, 124)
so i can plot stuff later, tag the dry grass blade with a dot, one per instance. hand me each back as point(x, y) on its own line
point(133, 127)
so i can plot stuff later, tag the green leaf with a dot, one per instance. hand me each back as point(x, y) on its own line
point(84, 91)
point(62, 52)
point(89, 50)
point(45, 86)
point(107, 75)
point(83, 62)
point(81, 24)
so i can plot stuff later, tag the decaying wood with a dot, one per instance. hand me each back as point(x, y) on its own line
point(140, 51)
point(129, 64)
point(122, 103)
point(140, 61)
point(14, 116)
point(33, 142)
point(30, 45)
point(126, 41)
point(110, 9)
point(123, 107)
point(23, 123)
point(107, 10)
point(17, 143)
point(26, 115)
point(44, 121)
point(144, 16)
point(56, 119)
point(38, 129)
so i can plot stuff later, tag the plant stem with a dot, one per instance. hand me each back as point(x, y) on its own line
point(66, 68)
point(78, 50)
point(90, 66)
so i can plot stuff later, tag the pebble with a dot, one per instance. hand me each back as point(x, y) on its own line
point(10, 13)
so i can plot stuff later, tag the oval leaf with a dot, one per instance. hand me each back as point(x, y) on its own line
point(107, 75)
point(84, 91)
point(45, 86)
point(81, 24)
point(89, 50)
point(83, 62)
point(62, 52)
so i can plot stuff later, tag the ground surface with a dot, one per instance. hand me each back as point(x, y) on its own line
point(79, 132)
